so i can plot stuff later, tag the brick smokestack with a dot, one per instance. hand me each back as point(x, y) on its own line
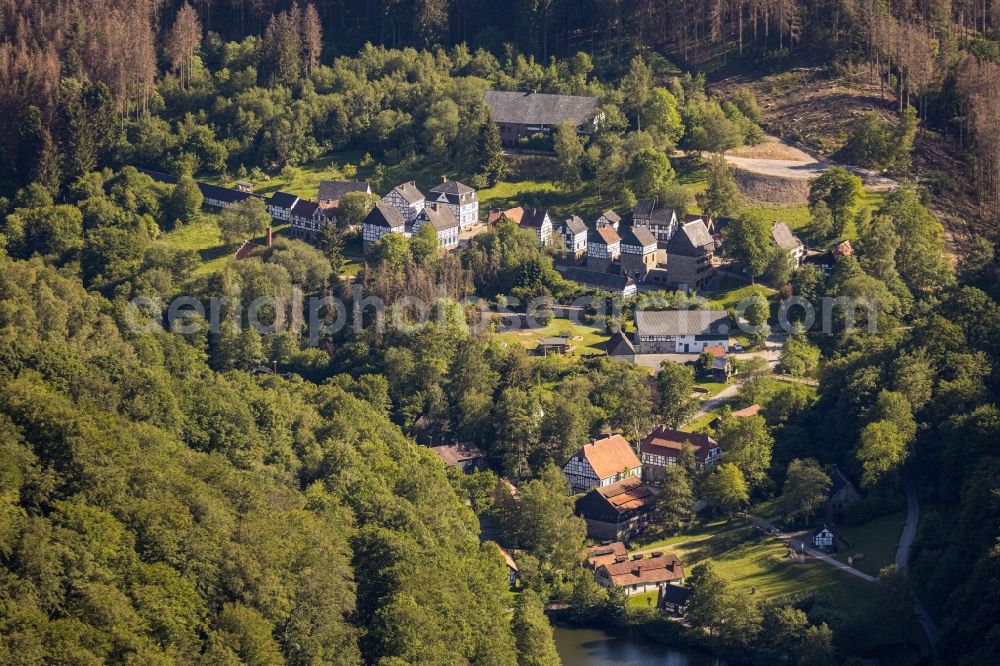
point(269, 238)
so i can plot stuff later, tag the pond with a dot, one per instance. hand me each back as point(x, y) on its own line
point(583, 646)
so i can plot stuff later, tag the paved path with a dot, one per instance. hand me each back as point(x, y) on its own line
point(716, 401)
point(798, 542)
point(903, 554)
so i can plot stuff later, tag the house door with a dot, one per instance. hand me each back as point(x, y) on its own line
point(685, 348)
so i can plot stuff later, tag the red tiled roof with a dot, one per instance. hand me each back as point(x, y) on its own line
point(606, 554)
point(608, 235)
point(716, 351)
point(627, 494)
point(752, 410)
point(659, 568)
point(664, 442)
point(609, 456)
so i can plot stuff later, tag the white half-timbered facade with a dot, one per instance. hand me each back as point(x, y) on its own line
point(461, 198)
point(601, 463)
point(407, 199)
point(382, 221)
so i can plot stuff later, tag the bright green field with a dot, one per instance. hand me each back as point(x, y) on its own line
point(592, 340)
point(877, 540)
point(204, 238)
point(731, 297)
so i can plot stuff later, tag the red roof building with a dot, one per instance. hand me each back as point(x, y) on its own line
point(662, 448)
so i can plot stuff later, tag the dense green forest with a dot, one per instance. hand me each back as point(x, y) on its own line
point(162, 503)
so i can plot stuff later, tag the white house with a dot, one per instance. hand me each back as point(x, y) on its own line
point(461, 198)
point(609, 218)
point(280, 205)
point(604, 246)
point(786, 240)
point(574, 233)
point(823, 538)
point(681, 331)
point(407, 199)
point(539, 222)
point(381, 221)
point(661, 222)
point(307, 219)
point(441, 217)
point(642, 573)
point(601, 463)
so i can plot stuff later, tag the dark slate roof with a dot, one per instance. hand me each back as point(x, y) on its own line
point(682, 322)
point(611, 216)
point(598, 279)
point(440, 217)
point(644, 208)
point(332, 190)
point(282, 200)
point(409, 192)
point(224, 194)
point(619, 344)
point(530, 108)
point(383, 215)
point(452, 187)
point(784, 238)
point(839, 481)
point(533, 218)
point(691, 240)
point(304, 208)
point(575, 225)
point(638, 237)
point(820, 530)
point(662, 216)
point(675, 594)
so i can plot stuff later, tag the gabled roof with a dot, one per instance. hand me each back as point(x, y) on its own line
point(513, 214)
point(606, 553)
point(844, 249)
point(452, 187)
point(752, 410)
point(839, 482)
point(440, 217)
point(597, 279)
point(669, 443)
point(644, 208)
point(215, 192)
point(283, 200)
point(626, 495)
point(334, 190)
point(717, 351)
point(304, 208)
point(384, 215)
point(682, 322)
point(609, 456)
point(575, 225)
point(611, 216)
point(691, 240)
point(662, 216)
point(620, 345)
point(656, 568)
point(604, 236)
point(784, 238)
point(507, 557)
point(675, 594)
point(638, 237)
point(534, 218)
point(824, 529)
point(409, 192)
point(454, 454)
point(530, 108)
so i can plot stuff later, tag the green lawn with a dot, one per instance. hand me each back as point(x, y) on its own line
point(713, 388)
point(731, 296)
point(698, 531)
point(586, 340)
point(204, 238)
point(876, 540)
point(750, 559)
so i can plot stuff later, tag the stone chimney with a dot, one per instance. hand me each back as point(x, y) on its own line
point(269, 238)
point(444, 179)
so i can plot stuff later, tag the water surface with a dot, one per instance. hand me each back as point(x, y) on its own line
point(581, 646)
